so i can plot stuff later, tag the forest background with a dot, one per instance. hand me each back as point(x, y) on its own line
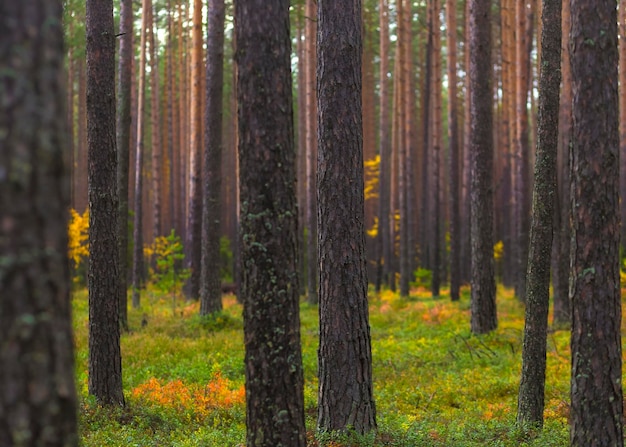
point(415, 114)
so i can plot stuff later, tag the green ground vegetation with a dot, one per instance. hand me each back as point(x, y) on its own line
point(435, 383)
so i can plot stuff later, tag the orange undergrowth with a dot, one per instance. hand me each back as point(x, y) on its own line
point(219, 393)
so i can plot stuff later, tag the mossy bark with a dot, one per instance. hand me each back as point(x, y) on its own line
point(269, 259)
point(531, 393)
point(596, 379)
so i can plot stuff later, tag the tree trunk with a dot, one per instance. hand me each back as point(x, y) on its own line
point(436, 166)
point(622, 121)
point(210, 284)
point(483, 306)
point(596, 392)
point(311, 151)
point(531, 393)
point(123, 148)
point(453, 142)
point(562, 228)
point(384, 241)
point(38, 404)
point(105, 360)
point(345, 357)
point(155, 127)
point(138, 261)
point(402, 168)
point(194, 224)
point(269, 289)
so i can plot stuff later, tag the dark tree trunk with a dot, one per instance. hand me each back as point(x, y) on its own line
point(531, 393)
point(483, 307)
point(345, 357)
point(269, 285)
point(105, 360)
point(38, 404)
point(123, 148)
point(210, 284)
point(596, 392)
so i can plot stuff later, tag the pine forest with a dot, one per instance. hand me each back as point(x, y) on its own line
point(312, 223)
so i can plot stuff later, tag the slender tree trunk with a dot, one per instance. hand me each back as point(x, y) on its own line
point(123, 148)
point(467, 171)
point(105, 360)
point(436, 167)
point(155, 127)
point(301, 145)
point(194, 224)
point(453, 142)
point(345, 357)
point(274, 377)
point(560, 276)
point(596, 379)
point(531, 393)
point(384, 240)
point(483, 306)
point(81, 196)
point(38, 404)
point(138, 261)
point(402, 149)
point(311, 150)
point(210, 285)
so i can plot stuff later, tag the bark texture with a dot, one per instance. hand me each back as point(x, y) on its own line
point(210, 284)
point(105, 360)
point(483, 307)
point(269, 282)
point(345, 357)
point(38, 405)
point(596, 387)
point(531, 393)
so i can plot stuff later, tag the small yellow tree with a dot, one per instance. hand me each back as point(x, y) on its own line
point(78, 246)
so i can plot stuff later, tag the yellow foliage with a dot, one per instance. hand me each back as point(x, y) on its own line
point(373, 232)
point(498, 250)
point(78, 232)
point(371, 168)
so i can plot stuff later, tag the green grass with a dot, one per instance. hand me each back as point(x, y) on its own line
point(434, 383)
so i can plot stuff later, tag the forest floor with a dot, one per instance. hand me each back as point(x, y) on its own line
point(434, 383)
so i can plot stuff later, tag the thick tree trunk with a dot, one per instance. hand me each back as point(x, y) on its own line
point(269, 288)
point(345, 357)
point(596, 391)
point(483, 306)
point(210, 284)
point(123, 149)
point(622, 121)
point(105, 360)
point(531, 393)
point(38, 404)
